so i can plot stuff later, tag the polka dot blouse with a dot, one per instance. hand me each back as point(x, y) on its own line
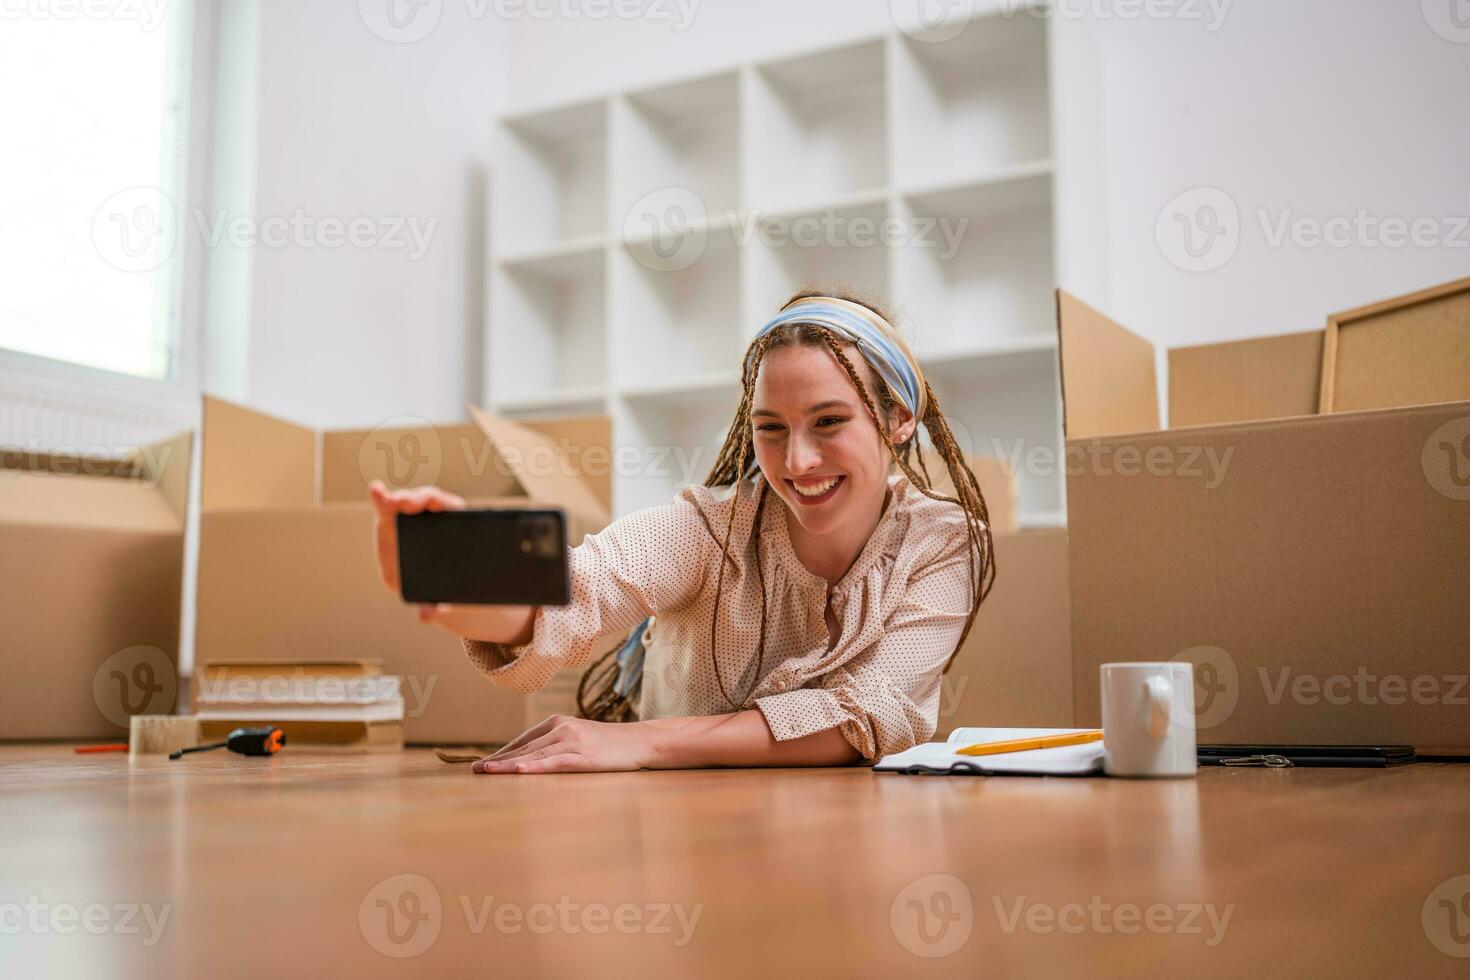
point(901, 606)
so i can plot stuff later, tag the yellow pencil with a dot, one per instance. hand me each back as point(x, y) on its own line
point(1040, 742)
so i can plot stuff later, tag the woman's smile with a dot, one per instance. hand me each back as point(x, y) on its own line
point(813, 491)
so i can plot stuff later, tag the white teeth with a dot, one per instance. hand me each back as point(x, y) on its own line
point(816, 489)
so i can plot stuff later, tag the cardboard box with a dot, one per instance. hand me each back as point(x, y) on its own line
point(1015, 669)
point(1410, 350)
point(91, 566)
point(286, 566)
point(1312, 568)
point(997, 483)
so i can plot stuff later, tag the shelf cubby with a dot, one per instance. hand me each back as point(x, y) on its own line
point(553, 185)
point(681, 321)
point(549, 328)
point(817, 127)
point(973, 104)
point(799, 250)
point(1009, 407)
point(668, 439)
point(988, 277)
point(684, 136)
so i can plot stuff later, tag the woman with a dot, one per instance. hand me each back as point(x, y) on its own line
point(844, 592)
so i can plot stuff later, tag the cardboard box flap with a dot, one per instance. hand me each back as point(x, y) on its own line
point(1108, 380)
point(455, 457)
point(98, 502)
point(254, 460)
point(165, 465)
point(539, 465)
point(582, 433)
point(1245, 380)
point(1410, 350)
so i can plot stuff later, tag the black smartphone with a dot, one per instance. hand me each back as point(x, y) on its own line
point(484, 557)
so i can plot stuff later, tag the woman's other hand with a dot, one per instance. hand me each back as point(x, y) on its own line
point(562, 743)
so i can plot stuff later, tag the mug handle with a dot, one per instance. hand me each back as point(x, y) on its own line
point(1158, 693)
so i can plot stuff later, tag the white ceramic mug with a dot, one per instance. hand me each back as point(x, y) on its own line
point(1148, 719)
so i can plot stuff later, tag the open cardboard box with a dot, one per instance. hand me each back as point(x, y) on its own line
point(91, 567)
point(1312, 567)
point(286, 564)
point(1015, 668)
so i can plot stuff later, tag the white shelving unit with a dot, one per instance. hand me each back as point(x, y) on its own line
point(639, 239)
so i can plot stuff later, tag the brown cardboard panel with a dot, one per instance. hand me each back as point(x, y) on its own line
point(457, 458)
point(165, 465)
point(54, 500)
point(1412, 350)
point(1244, 380)
point(68, 464)
point(1015, 668)
point(586, 439)
point(539, 464)
point(1108, 378)
point(997, 483)
point(1327, 549)
point(326, 601)
point(254, 460)
point(71, 598)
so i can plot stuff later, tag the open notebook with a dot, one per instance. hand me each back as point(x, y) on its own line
point(942, 759)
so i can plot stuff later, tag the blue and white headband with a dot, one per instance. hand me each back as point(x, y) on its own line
point(856, 324)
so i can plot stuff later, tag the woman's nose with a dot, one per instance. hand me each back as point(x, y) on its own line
point(801, 454)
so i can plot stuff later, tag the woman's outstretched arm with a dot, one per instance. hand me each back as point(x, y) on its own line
point(565, 744)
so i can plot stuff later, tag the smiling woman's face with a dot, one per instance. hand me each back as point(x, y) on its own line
point(813, 437)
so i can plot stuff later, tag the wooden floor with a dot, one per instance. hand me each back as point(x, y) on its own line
point(402, 865)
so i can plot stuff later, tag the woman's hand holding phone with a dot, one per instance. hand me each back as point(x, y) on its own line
point(493, 624)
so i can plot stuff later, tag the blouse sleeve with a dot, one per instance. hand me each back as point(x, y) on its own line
point(886, 699)
point(650, 560)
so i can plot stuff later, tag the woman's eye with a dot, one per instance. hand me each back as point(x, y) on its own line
point(830, 420)
point(767, 428)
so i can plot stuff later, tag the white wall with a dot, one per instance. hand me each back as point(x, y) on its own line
point(349, 125)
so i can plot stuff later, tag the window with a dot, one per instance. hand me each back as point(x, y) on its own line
point(93, 100)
